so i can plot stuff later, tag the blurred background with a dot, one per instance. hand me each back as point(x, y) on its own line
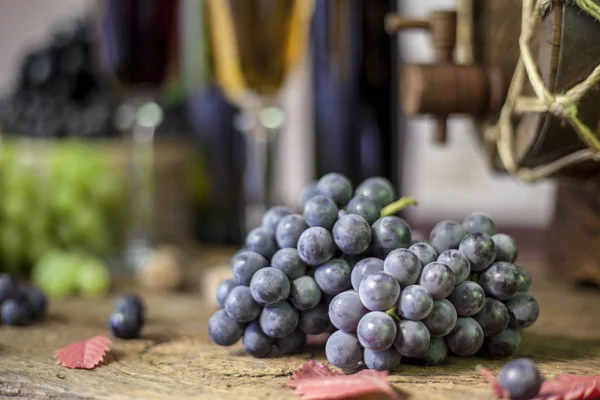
point(131, 123)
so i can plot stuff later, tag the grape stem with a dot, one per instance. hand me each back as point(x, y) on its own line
point(393, 312)
point(397, 206)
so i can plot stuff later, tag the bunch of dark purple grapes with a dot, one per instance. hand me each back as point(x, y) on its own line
point(21, 305)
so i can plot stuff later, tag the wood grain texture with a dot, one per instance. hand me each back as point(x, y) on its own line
point(176, 360)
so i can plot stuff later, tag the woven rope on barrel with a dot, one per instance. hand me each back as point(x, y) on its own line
point(562, 105)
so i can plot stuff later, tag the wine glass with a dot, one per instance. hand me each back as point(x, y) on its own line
point(253, 46)
point(138, 56)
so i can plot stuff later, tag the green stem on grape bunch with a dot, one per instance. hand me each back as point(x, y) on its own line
point(397, 206)
point(393, 312)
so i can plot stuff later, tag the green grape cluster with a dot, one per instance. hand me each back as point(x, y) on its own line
point(63, 197)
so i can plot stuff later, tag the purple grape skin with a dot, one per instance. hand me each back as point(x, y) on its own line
point(333, 277)
point(376, 331)
point(524, 279)
point(457, 262)
point(436, 353)
point(446, 235)
point(288, 261)
point(521, 379)
point(223, 330)
point(320, 211)
point(467, 298)
point(341, 213)
point(316, 246)
point(292, 343)
point(8, 287)
point(382, 360)
point(424, 252)
point(278, 320)
point(479, 249)
point(414, 303)
point(438, 279)
point(404, 265)
point(506, 248)
point(363, 268)
point(343, 350)
point(352, 234)
point(493, 317)
point(308, 193)
point(273, 216)
point(224, 289)
point(500, 280)
point(255, 342)
point(346, 310)
point(479, 223)
point(289, 230)
point(262, 241)
point(245, 266)
point(241, 306)
point(378, 189)
point(503, 344)
point(365, 207)
point(305, 293)
point(269, 286)
point(466, 338)
point(379, 291)
point(389, 233)
point(337, 187)
point(412, 339)
point(315, 320)
point(442, 318)
point(523, 310)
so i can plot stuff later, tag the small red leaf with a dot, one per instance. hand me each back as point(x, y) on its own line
point(562, 387)
point(85, 354)
point(314, 381)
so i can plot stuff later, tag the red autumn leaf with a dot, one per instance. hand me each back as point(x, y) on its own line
point(561, 387)
point(85, 354)
point(314, 381)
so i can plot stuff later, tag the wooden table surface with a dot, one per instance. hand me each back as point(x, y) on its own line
point(176, 360)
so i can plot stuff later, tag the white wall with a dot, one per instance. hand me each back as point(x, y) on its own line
point(453, 181)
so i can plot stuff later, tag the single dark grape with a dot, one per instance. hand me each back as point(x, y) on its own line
point(245, 265)
point(352, 234)
point(506, 248)
point(289, 230)
point(273, 215)
point(424, 252)
point(16, 312)
point(382, 360)
point(412, 339)
point(308, 193)
point(363, 268)
point(414, 303)
point(125, 326)
point(256, 343)
point(404, 265)
point(379, 291)
point(442, 318)
point(524, 279)
point(131, 304)
point(479, 249)
point(503, 344)
point(446, 235)
point(262, 241)
point(479, 223)
point(224, 330)
point(438, 279)
point(389, 233)
point(365, 207)
point(320, 211)
point(315, 320)
point(500, 280)
point(346, 310)
point(337, 187)
point(316, 246)
point(523, 310)
point(466, 338)
point(467, 298)
point(378, 189)
point(457, 262)
point(333, 277)
point(292, 343)
point(269, 286)
point(224, 289)
point(38, 303)
point(241, 306)
point(343, 350)
point(493, 317)
point(521, 379)
point(304, 293)
point(376, 331)
point(288, 261)
point(278, 320)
